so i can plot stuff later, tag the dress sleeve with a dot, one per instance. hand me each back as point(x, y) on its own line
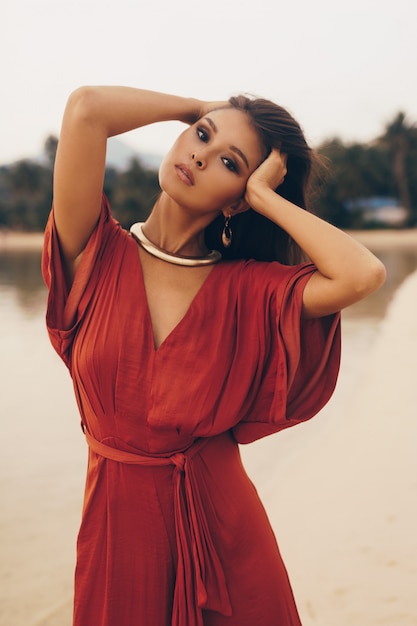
point(66, 307)
point(302, 359)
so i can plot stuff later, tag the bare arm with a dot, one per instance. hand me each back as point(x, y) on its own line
point(346, 271)
point(91, 116)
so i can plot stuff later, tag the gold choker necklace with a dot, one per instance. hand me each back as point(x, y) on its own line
point(178, 259)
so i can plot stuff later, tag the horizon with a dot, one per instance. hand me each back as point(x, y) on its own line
point(131, 147)
point(342, 69)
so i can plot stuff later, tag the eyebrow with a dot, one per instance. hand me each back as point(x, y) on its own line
point(233, 148)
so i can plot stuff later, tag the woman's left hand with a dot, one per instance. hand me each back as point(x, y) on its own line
point(204, 107)
point(269, 175)
point(346, 271)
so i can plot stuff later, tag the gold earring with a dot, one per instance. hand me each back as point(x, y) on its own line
point(227, 232)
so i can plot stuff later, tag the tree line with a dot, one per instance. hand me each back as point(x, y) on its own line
point(385, 168)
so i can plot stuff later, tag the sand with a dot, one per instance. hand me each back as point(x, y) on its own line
point(14, 240)
point(340, 490)
point(386, 238)
point(349, 535)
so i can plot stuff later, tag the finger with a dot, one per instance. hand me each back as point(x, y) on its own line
point(283, 155)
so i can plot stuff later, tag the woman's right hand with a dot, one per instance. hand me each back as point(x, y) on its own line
point(91, 116)
point(203, 108)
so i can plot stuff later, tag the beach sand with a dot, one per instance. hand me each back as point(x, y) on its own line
point(380, 239)
point(14, 240)
point(350, 492)
point(340, 490)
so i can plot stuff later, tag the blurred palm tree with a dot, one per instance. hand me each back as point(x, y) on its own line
point(398, 139)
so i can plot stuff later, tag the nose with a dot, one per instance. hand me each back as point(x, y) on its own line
point(199, 160)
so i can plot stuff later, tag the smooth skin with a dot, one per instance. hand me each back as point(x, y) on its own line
point(217, 165)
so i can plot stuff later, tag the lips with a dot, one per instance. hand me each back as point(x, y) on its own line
point(185, 174)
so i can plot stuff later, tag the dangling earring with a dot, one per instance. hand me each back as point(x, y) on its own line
point(227, 232)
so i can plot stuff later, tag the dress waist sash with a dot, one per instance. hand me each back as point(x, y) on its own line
point(200, 580)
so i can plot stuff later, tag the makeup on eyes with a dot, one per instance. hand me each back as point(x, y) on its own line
point(204, 136)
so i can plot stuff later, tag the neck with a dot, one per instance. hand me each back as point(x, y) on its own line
point(176, 230)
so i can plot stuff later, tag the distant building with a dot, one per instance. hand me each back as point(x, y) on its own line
point(379, 210)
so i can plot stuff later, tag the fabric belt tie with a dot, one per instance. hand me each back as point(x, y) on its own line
point(200, 580)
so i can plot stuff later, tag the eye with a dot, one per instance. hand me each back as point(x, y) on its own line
point(202, 134)
point(231, 165)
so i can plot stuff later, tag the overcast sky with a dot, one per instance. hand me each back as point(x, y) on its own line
point(342, 68)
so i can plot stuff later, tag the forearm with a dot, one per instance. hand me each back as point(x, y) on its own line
point(116, 110)
point(91, 116)
point(349, 270)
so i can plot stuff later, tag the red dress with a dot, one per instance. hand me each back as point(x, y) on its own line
point(173, 531)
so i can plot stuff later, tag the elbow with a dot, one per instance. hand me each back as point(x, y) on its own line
point(83, 104)
point(377, 275)
point(372, 278)
point(381, 274)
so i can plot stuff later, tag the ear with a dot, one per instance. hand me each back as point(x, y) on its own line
point(237, 207)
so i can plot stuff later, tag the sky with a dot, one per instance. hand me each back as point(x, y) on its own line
point(341, 68)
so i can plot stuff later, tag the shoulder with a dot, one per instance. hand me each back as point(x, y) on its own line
point(265, 286)
point(109, 233)
point(263, 274)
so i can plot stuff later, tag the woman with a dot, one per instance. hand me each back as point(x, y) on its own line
point(178, 354)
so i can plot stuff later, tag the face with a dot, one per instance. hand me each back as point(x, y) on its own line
point(207, 168)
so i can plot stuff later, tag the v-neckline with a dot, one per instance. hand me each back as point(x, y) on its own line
point(184, 318)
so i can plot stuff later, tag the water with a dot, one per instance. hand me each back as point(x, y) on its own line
point(32, 376)
point(399, 261)
point(22, 288)
point(42, 460)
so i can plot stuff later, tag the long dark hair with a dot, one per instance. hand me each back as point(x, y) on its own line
point(254, 236)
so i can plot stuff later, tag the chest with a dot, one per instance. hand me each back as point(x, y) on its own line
point(170, 291)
